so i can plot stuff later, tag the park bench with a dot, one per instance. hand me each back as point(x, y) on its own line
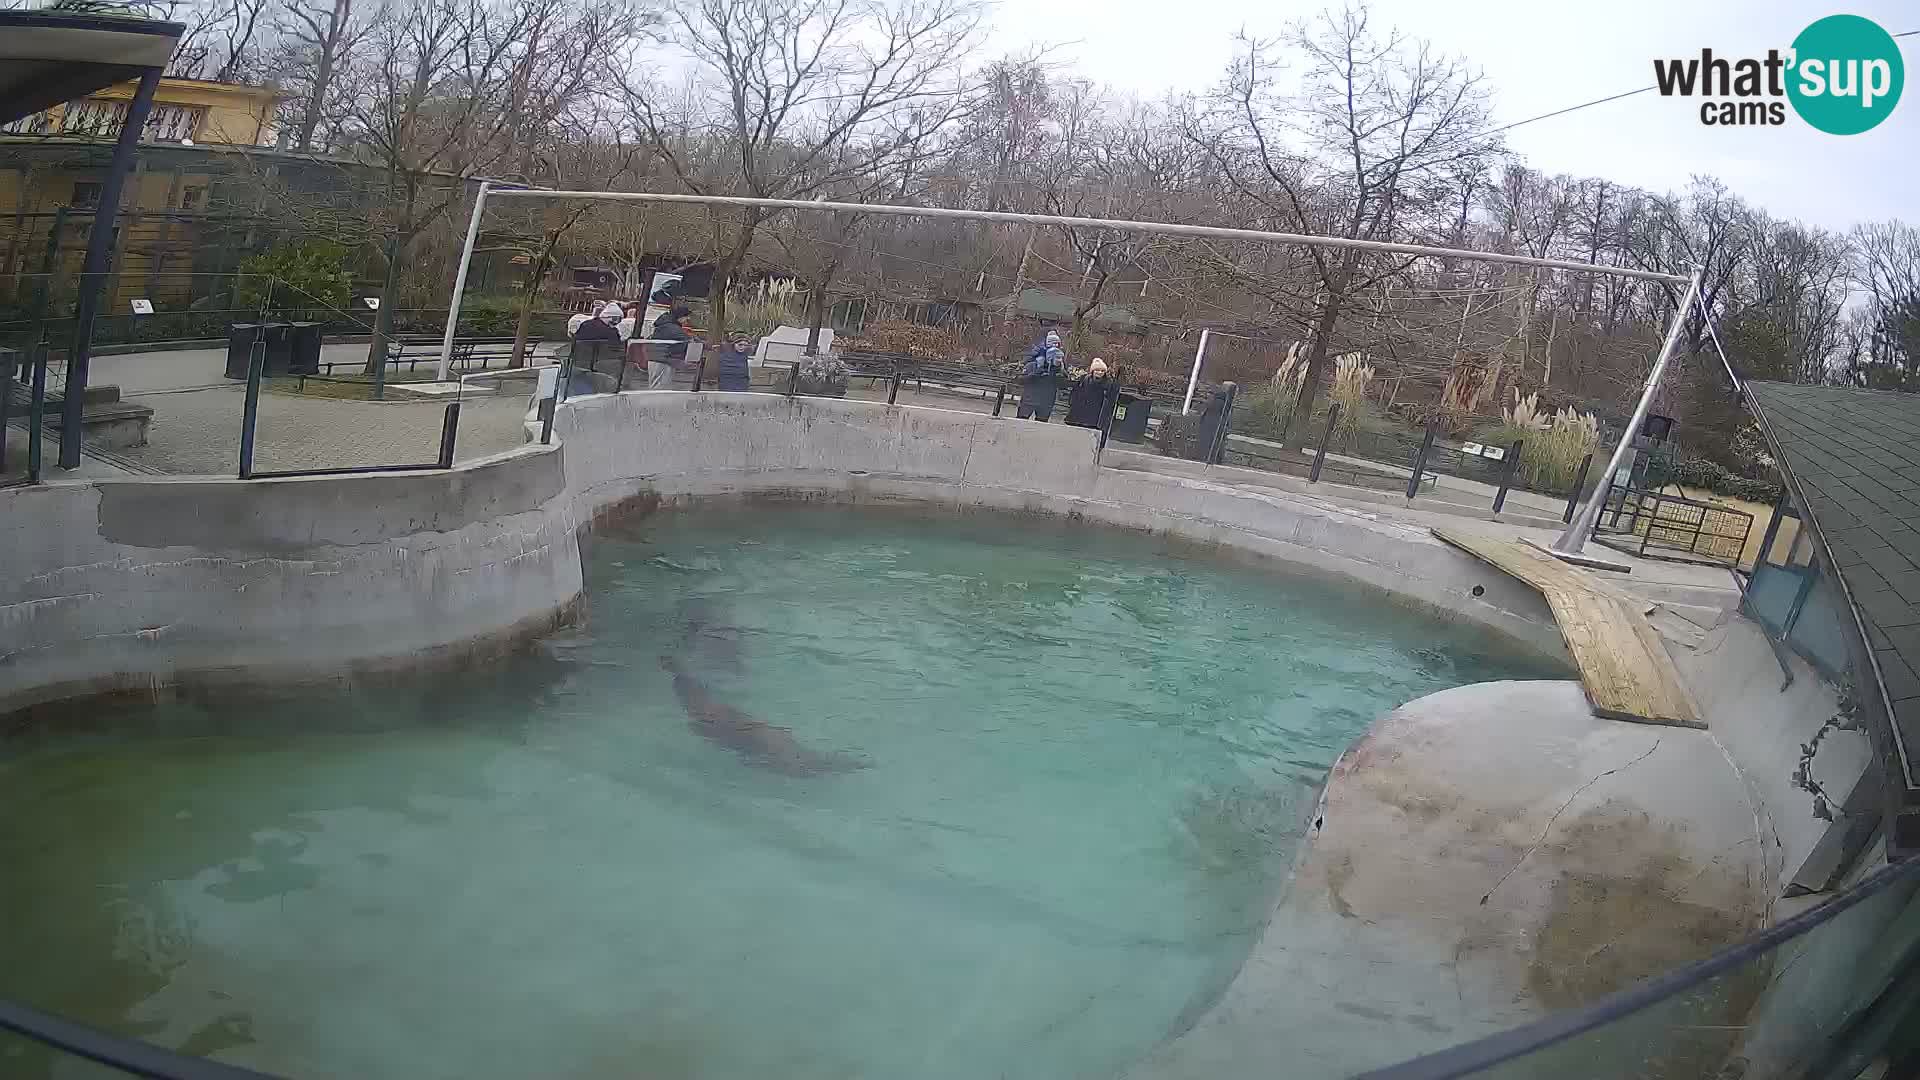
point(469, 353)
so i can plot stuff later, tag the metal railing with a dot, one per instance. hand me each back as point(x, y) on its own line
point(1656, 525)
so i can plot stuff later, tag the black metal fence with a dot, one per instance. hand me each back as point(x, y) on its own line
point(1663, 526)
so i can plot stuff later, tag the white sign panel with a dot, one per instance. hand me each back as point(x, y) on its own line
point(143, 306)
point(372, 302)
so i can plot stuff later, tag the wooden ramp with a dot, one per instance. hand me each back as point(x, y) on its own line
point(1624, 666)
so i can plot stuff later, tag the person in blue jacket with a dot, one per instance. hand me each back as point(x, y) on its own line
point(1040, 378)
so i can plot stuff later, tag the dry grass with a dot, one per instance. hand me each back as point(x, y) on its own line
point(1554, 443)
point(1351, 374)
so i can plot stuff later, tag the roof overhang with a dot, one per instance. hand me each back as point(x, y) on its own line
point(49, 57)
point(1851, 460)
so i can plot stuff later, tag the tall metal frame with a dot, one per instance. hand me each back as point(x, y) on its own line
point(1569, 545)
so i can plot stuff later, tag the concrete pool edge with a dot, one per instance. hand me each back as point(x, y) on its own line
point(127, 585)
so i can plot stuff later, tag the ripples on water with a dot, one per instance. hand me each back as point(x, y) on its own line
point(1070, 766)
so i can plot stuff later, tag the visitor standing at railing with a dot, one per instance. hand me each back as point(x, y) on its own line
point(670, 338)
point(596, 344)
point(735, 372)
point(1091, 397)
point(1040, 378)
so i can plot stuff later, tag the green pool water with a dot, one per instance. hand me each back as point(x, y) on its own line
point(1042, 784)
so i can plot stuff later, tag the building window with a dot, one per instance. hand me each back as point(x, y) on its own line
point(86, 195)
point(40, 123)
point(193, 198)
point(173, 123)
point(94, 117)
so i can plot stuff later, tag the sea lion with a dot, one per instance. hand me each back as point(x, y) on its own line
point(710, 641)
point(756, 741)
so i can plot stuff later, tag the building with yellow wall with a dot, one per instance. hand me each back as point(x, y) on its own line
point(54, 163)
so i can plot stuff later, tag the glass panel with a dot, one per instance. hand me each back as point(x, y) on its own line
point(1770, 596)
point(1823, 628)
point(1813, 1005)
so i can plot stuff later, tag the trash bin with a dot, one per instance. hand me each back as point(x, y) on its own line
point(240, 338)
point(1130, 418)
point(303, 349)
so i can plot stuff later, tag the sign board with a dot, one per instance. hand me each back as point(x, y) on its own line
point(1496, 453)
point(143, 306)
point(372, 302)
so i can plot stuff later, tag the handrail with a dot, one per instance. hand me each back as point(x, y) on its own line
point(128, 1055)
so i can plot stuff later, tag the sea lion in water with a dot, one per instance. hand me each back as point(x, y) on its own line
point(760, 743)
point(711, 641)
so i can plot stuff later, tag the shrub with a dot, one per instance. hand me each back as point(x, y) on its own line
point(489, 316)
point(296, 279)
point(1700, 472)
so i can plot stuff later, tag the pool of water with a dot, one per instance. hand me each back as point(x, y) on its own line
point(1038, 787)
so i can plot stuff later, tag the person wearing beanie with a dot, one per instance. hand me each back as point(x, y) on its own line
point(1092, 396)
point(1040, 379)
point(596, 343)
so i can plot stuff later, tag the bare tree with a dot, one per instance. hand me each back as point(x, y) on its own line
point(1369, 149)
point(430, 106)
point(221, 41)
point(317, 42)
point(802, 97)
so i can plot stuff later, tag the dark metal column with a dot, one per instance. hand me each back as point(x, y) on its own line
point(93, 271)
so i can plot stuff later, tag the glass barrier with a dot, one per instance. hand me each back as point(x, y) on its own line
point(1818, 995)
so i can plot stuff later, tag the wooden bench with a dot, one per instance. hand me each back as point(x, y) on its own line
point(1624, 666)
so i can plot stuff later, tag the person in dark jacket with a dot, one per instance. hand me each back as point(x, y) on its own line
point(1040, 378)
point(735, 373)
point(670, 349)
point(597, 348)
point(1092, 397)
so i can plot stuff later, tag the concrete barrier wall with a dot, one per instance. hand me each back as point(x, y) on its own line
point(136, 583)
point(676, 445)
point(119, 585)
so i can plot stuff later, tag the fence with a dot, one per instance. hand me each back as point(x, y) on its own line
point(1660, 526)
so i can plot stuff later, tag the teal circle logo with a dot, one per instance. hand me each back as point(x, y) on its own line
point(1847, 74)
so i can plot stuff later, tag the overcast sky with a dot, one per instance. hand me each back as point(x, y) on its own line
point(1541, 55)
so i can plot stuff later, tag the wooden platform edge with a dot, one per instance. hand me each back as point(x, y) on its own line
point(1648, 637)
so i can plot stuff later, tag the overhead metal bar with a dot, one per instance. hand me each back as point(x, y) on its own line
point(1166, 228)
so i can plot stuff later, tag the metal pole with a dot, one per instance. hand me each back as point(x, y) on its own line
point(893, 384)
point(1581, 528)
point(793, 380)
point(1320, 455)
point(1420, 462)
point(1579, 485)
point(93, 271)
point(460, 279)
point(250, 407)
point(449, 431)
point(1059, 221)
point(36, 412)
point(1218, 451)
point(1000, 399)
point(1506, 478)
point(1193, 378)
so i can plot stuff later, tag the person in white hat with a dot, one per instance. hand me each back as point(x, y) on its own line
point(1091, 397)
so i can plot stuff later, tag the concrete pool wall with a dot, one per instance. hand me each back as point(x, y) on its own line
point(138, 583)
